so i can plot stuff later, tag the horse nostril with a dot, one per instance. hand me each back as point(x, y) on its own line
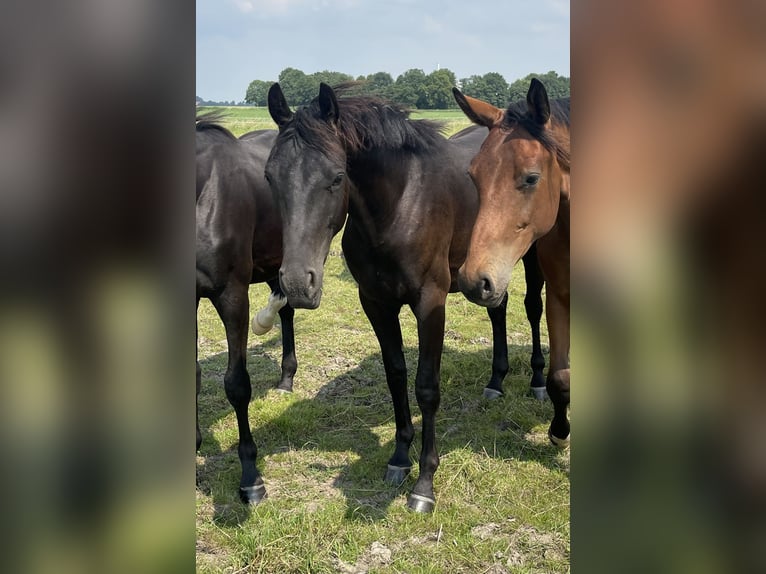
point(312, 279)
point(486, 286)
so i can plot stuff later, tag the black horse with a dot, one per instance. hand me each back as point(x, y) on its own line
point(239, 242)
point(411, 207)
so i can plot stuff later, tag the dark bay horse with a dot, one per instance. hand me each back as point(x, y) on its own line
point(239, 242)
point(522, 174)
point(411, 207)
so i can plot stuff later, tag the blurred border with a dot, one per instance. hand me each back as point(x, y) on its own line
point(669, 127)
point(96, 155)
point(96, 334)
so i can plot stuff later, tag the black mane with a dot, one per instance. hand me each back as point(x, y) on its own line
point(365, 123)
point(210, 121)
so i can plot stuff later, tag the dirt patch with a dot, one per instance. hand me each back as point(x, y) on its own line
point(210, 556)
point(375, 556)
point(527, 546)
point(485, 531)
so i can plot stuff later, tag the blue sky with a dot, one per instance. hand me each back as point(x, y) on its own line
point(243, 40)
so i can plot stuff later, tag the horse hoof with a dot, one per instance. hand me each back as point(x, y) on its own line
point(285, 390)
point(253, 494)
point(559, 442)
point(492, 394)
point(422, 504)
point(540, 393)
point(396, 474)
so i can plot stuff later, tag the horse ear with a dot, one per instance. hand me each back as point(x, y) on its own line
point(328, 103)
point(537, 102)
point(278, 108)
point(478, 112)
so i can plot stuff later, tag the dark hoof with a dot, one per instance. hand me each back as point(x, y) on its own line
point(396, 474)
point(253, 494)
point(559, 442)
point(492, 394)
point(540, 393)
point(422, 504)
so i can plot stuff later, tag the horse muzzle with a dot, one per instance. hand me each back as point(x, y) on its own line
point(301, 286)
point(481, 288)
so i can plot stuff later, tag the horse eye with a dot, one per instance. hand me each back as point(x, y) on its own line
point(268, 178)
point(337, 180)
point(532, 179)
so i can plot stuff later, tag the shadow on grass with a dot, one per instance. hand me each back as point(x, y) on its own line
point(342, 414)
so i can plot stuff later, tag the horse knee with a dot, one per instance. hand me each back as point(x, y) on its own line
point(237, 387)
point(557, 385)
point(428, 398)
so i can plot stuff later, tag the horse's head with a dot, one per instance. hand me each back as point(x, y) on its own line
point(307, 174)
point(521, 173)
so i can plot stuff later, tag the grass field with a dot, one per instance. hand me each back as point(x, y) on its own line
point(242, 119)
point(502, 490)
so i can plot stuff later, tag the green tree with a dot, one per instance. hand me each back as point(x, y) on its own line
point(437, 93)
point(491, 87)
point(556, 86)
point(409, 87)
point(257, 92)
point(379, 84)
point(297, 87)
point(329, 78)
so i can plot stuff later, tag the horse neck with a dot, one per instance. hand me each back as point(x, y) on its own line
point(379, 178)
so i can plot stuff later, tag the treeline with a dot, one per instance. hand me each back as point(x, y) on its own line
point(414, 88)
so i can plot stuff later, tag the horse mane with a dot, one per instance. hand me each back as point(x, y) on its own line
point(517, 114)
point(364, 123)
point(210, 121)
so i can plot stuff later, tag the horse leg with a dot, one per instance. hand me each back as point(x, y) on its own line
point(430, 315)
point(385, 323)
point(494, 388)
point(199, 387)
point(557, 314)
point(533, 304)
point(289, 361)
point(233, 306)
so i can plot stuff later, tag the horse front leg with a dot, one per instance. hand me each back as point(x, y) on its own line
point(533, 305)
point(494, 388)
point(233, 306)
point(557, 383)
point(553, 255)
point(289, 360)
point(430, 315)
point(385, 322)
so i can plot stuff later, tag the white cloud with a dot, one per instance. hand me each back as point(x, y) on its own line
point(244, 6)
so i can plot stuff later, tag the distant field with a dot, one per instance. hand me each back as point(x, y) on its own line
point(241, 119)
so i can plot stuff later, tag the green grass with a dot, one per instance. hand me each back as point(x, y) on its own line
point(502, 490)
point(243, 119)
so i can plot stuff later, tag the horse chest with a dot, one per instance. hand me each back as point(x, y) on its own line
point(379, 269)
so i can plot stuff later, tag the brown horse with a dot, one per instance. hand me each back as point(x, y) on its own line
point(522, 174)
